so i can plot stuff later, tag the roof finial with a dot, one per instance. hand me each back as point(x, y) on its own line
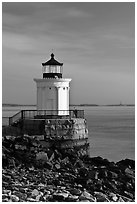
point(52, 55)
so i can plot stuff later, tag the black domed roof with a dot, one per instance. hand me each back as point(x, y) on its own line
point(52, 61)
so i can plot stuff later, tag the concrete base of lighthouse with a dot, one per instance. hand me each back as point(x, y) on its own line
point(60, 133)
point(53, 95)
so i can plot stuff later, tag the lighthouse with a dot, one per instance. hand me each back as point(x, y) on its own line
point(54, 125)
point(53, 89)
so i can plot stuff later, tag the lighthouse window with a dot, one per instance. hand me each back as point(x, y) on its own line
point(52, 69)
point(47, 69)
point(49, 87)
point(64, 88)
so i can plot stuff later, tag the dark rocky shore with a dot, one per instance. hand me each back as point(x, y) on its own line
point(32, 173)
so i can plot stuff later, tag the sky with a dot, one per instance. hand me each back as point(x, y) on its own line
point(95, 41)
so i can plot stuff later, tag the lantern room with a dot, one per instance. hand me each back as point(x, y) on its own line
point(52, 68)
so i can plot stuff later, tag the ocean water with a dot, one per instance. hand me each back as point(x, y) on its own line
point(111, 132)
point(111, 129)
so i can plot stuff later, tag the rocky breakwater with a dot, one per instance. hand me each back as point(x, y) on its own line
point(32, 173)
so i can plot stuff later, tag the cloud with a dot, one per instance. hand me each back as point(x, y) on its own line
point(19, 8)
point(93, 40)
point(16, 42)
point(75, 13)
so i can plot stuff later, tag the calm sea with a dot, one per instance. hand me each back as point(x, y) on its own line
point(111, 129)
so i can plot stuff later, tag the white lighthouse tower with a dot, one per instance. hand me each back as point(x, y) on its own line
point(52, 89)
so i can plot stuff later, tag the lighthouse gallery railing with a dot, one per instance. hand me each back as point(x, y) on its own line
point(35, 114)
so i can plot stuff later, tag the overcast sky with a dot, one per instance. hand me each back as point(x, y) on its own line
point(95, 41)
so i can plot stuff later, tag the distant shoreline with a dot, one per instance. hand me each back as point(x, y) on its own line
point(13, 105)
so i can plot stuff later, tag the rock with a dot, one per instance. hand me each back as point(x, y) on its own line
point(43, 198)
point(79, 186)
point(79, 163)
point(83, 198)
point(20, 195)
point(6, 192)
point(130, 195)
point(75, 191)
point(48, 165)
point(56, 182)
point(85, 195)
point(46, 192)
point(6, 177)
point(4, 196)
point(112, 174)
point(41, 185)
point(84, 201)
point(99, 161)
point(71, 198)
point(101, 197)
point(113, 197)
point(51, 157)
point(63, 188)
point(6, 200)
point(103, 173)
point(65, 194)
point(35, 193)
point(42, 156)
point(22, 190)
point(14, 198)
point(65, 161)
point(57, 166)
point(31, 200)
point(83, 171)
point(93, 174)
point(111, 186)
point(60, 196)
point(120, 200)
point(130, 173)
point(126, 199)
point(31, 168)
point(57, 154)
point(38, 197)
point(126, 163)
point(98, 185)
